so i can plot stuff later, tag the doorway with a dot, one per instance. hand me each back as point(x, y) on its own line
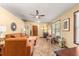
point(35, 30)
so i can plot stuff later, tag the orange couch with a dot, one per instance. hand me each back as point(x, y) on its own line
point(16, 35)
point(15, 47)
point(18, 45)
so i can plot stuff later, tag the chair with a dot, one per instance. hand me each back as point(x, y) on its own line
point(15, 47)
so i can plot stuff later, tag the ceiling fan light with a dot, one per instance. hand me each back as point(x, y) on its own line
point(37, 17)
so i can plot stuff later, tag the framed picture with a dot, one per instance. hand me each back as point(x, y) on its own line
point(66, 24)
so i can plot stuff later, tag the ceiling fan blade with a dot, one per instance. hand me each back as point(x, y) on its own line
point(36, 17)
point(41, 15)
point(37, 12)
point(32, 15)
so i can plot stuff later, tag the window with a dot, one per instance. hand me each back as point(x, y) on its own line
point(56, 28)
point(2, 31)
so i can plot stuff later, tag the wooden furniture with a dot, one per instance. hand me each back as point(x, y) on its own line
point(45, 34)
point(15, 47)
point(68, 52)
point(16, 35)
point(1, 50)
point(18, 44)
point(2, 42)
point(31, 42)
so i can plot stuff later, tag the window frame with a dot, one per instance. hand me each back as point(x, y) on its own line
point(74, 34)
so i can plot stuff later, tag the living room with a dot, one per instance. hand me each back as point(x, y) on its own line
point(38, 29)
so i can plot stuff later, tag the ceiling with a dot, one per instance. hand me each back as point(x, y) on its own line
point(50, 10)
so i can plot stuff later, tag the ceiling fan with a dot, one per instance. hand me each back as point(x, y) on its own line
point(37, 15)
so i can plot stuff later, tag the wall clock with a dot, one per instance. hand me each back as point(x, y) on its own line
point(13, 26)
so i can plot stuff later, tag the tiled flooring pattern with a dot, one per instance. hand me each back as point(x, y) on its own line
point(44, 48)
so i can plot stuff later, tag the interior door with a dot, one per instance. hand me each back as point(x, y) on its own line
point(35, 30)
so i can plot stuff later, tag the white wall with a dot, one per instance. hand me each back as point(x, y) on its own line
point(6, 18)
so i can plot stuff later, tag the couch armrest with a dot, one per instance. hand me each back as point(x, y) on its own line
point(28, 50)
